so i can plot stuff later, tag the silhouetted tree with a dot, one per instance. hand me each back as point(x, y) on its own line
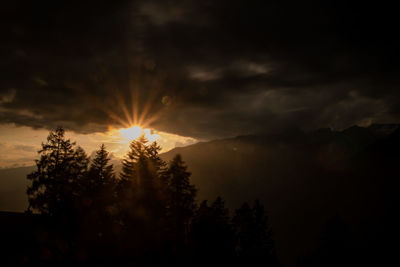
point(57, 191)
point(142, 161)
point(337, 248)
point(141, 174)
point(102, 181)
point(100, 166)
point(212, 233)
point(254, 242)
point(139, 217)
point(55, 187)
point(98, 212)
point(181, 199)
point(142, 194)
point(244, 224)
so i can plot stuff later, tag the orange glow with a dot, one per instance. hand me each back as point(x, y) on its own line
point(135, 117)
point(132, 133)
point(136, 111)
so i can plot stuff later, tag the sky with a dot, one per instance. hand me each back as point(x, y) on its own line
point(192, 70)
point(19, 145)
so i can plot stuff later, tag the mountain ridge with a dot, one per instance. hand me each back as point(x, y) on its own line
point(303, 179)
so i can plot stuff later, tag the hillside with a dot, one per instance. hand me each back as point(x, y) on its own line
point(304, 180)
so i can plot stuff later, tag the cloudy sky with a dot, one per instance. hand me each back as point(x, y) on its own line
point(194, 70)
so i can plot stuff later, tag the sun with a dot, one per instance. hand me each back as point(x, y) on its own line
point(131, 133)
point(134, 132)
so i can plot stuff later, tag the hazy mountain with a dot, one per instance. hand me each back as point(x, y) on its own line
point(304, 180)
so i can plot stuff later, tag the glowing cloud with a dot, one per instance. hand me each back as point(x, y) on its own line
point(131, 133)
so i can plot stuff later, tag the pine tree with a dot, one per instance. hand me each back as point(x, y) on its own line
point(266, 243)
point(101, 182)
point(181, 199)
point(98, 211)
point(212, 232)
point(243, 222)
point(141, 192)
point(254, 242)
point(223, 228)
point(100, 167)
point(221, 213)
point(142, 161)
point(200, 228)
point(55, 184)
point(246, 231)
point(137, 150)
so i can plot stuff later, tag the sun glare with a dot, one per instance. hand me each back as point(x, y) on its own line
point(131, 133)
point(135, 118)
point(134, 132)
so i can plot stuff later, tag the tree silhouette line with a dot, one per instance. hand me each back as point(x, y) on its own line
point(147, 215)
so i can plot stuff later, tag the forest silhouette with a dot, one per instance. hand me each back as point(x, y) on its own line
point(81, 212)
point(331, 199)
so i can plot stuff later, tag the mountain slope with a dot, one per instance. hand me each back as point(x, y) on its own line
point(304, 180)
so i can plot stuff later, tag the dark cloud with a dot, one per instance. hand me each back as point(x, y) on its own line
point(199, 68)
